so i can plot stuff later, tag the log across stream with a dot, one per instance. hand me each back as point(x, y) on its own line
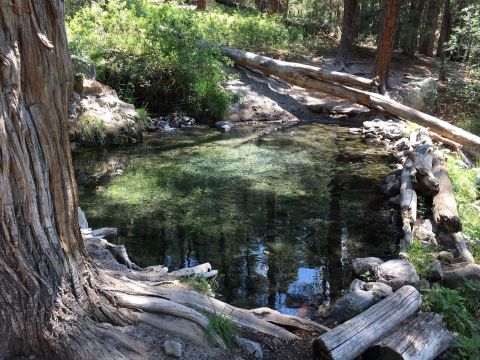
point(279, 216)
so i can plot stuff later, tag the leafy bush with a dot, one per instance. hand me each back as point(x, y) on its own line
point(460, 309)
point(464, 181)
point(89, 130)
point(146, 64)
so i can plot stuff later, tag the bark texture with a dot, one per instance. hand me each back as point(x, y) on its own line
point(385, 45)
point(41, 251)
point(430, 21)
point(446, 27)
point(348, 32)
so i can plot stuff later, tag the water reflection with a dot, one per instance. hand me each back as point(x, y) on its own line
point(279, 217)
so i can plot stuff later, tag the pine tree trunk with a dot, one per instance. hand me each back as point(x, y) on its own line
point(385, 46)
point(201, 4)
point(430, 22)
point(348, 31)
point(446, 28)
point(409, 39)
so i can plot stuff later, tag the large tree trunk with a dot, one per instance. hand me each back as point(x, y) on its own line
point(409, 39)
point(201, 4)
point(313, 78)
point(446, 28)
point(41, 251)
point(430, 21)
point(348, 31)
point(385, 45)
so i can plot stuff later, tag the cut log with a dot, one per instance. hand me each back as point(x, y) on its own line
point(205, 268)
point(408, 202)
point(290, 71)
point(352, 338)
point(422, 159)
point(423, 337)
point(310, 78)
point(444, 208)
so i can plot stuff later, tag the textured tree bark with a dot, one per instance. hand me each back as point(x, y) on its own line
point(409, 39)
point(427, 32)
point(201, 4)
point(423, 337)
point(446, 28)
point(385, 46)
point(352, 338)
point(348, 32)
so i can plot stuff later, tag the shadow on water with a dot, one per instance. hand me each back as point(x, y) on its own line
point(280, 218)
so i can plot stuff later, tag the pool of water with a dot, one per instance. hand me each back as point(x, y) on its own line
point(280, 216)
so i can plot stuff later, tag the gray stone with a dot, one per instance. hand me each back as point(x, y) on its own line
point(84, 67)
point(435, 271)
point(424, 231)
point(362, 265)
point(456, 275)
point(379, 289)
point(226, 126)
point(251, 347)
point(403, 255)
point(446, 257)
point(397, 273)
point(172, 348)
point(82, 219)
point(357, 284)
point(424, 284)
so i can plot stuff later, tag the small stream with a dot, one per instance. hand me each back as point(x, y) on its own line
point(280, 216)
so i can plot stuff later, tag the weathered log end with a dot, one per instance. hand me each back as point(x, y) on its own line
point(352, 338)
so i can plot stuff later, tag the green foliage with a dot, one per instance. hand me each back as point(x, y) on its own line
point(143, 116)
point(222, 325)
point(89, 130)
point(464, 181)
point(421, 256)
point(460, 309)
point(464, 41)
point(198, 283)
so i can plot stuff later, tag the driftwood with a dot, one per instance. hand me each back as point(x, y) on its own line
point(310, 78)
point(194, 270)
point(423, 337)
point(408, 202)
point(105, 232)
point(445, 211)
point(352, 338)
point(463, 253)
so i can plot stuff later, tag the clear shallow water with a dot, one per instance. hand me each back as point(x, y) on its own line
point(279, 216)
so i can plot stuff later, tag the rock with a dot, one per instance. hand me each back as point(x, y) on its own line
point(251, 347)
point(82, 219)
point(424, 284)
point(395, 200)
point(362, 265)
point(379, 289)
point(84, 67)
point(456, 275)
point(403, 255)
point(397, 273)
point(362, 295)
point(99, 117)
point(420, 95)
point(435, 271)
point(446, 257)
point(172, 348)
point(226, 126)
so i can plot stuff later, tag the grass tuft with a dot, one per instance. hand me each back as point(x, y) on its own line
point(222, 325)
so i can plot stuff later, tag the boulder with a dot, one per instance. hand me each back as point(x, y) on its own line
point(379, 289)
point(251, 347)
point(225, 126)
point(435, 271)
point(456, 275)
point(172, 348)
point(397, 273)
point(425, 232)
point(83, 66)
point(446, 257)
point(367, 264)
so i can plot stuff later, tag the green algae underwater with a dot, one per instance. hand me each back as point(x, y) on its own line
point(279, 215)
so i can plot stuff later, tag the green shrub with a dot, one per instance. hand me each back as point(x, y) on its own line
point(221, 325)
point(421, 256)
point(464, 181)
point(460, 309)
point(198, 283)
point(89, 130)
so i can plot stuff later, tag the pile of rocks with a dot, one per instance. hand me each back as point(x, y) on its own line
point(171, 122)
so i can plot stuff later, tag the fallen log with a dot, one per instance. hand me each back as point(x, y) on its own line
point(456, 275)
point(306, 77)
point(352, 338)
point(423, 337)
point(444, 207)
point(461, 246)
point(422, 159)
point(408, 202)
